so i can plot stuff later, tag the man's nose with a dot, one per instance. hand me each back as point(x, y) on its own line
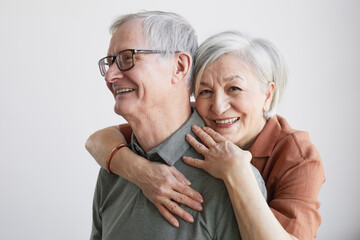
point(220, 104)
point(113, 74)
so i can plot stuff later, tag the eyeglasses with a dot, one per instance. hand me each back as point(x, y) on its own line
point(124, 59)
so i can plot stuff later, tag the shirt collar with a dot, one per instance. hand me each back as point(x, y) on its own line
point(174, 147)
point(265, 142)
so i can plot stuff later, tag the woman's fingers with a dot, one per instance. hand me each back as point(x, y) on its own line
point(174, 208)
point(170, 188)
point(180, 195)
point(179, 176)
point(182, 186)
point(167, 215)
point(195, 162)
point(199, 147)
point(185, 200)
point(217, 137)
point(186, 195)
point(205, 138)
point(165, 186)
point(169, 208)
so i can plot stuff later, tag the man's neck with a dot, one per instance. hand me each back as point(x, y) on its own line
point(152, 129)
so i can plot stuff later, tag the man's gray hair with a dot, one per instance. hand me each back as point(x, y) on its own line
point(260, 55)
point(165, 31)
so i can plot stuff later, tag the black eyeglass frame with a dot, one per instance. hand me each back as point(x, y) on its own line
point(133, 52)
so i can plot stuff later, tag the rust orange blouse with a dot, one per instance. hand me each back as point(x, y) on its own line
point(293, 173)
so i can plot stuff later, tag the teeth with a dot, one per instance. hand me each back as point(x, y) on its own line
point(124, 90)
point(227, 121)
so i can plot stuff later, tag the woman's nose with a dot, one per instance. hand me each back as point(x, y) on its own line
point(220, 104)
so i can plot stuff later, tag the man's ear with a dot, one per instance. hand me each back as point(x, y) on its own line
point(182, 67)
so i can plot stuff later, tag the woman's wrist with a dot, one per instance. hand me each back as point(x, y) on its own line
point(134, 169)
point(238, 174)
point(111, 155)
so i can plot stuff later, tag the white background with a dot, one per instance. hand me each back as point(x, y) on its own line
point(52, 97)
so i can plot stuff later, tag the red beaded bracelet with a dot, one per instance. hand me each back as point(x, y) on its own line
point(111, 155)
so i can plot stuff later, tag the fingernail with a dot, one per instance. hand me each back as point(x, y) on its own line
point(199, 198)
point(176, 223)
point(187, 182)
point(190, 219)
point(199, 207)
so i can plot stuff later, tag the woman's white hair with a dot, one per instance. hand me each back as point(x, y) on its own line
point(260, 55)
point(164, 31)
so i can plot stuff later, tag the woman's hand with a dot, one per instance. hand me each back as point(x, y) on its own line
point(165, 186)
point(221, 155)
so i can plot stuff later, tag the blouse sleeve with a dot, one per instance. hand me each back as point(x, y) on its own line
point(299, 175)
point(126, 130)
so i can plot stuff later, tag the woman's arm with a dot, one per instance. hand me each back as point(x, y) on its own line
point(228, 162)
point(102, 142)
point(160, 183)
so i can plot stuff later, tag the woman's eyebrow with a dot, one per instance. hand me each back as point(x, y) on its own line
point(206, 84)
point(233, 77)
point(226, 79)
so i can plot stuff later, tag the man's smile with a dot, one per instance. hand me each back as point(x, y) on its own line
point(124, 90)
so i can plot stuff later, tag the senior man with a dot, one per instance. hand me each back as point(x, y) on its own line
point(148, 71)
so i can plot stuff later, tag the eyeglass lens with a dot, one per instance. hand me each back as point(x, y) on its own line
point(123, 59)
point(105, 64)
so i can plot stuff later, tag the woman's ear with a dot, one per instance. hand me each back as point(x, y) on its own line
point(269, 95)
point(182, 67)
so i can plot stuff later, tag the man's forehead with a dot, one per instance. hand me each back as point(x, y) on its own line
point(130, 35)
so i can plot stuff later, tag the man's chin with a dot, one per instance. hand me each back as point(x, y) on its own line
point(118, 110)
point(123, 110)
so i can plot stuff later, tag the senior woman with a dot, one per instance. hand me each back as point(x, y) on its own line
point(238, 82)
